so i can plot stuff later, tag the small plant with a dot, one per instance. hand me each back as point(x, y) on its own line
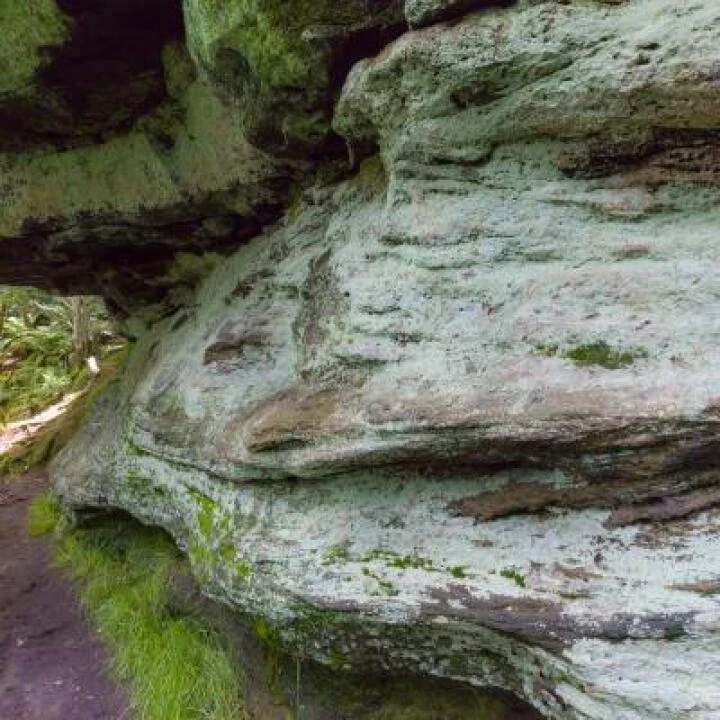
point(515, 576)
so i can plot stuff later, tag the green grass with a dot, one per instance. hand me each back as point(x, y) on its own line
point(43, 516)
point(175, 668)
point(458, 571)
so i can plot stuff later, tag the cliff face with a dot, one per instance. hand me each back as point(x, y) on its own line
point(450, 405)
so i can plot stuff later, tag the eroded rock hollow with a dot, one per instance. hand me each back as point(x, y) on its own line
point(427, 371)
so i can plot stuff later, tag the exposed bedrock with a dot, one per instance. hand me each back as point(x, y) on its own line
point(451, 404)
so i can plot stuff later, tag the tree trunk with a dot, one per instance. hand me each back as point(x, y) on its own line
point(81, 334)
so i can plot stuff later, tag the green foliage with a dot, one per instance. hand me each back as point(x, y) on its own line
point(37, 360)
point(43, 515)
point(176, 669)
point(52, 437)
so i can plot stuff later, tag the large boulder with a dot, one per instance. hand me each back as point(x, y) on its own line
point(453, 406)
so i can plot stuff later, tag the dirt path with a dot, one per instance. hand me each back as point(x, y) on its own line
point(51, 664)
point(21, 430)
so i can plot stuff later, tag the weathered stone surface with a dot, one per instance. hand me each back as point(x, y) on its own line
point(457, 414)
point(620, 79)
point(425, 12)
point(277, 686)
point(356, 387)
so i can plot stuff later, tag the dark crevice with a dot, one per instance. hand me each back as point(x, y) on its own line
point(351, 49)
point(359, 45)
point(101, 80)
point(64, 264)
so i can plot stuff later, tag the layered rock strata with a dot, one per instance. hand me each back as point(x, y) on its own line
point(452, 407)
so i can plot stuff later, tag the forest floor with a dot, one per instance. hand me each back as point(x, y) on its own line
point(51, 662)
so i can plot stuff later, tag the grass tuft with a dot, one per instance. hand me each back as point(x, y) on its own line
point(43, 515)
point(175, 668)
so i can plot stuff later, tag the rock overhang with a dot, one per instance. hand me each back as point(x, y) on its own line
point(466, 398)
point(139, 144)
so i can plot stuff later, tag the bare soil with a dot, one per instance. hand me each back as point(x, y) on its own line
point(51, 663)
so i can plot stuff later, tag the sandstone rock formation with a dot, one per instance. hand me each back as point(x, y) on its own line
point(446, 397)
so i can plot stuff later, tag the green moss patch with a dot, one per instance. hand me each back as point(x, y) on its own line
point(267, 34)
point(512, 574)
point(402, 562)
point(601, 354)
point(598, 353)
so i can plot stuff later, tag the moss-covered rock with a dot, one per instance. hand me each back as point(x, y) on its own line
point(284, 61)
point(29, 30)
